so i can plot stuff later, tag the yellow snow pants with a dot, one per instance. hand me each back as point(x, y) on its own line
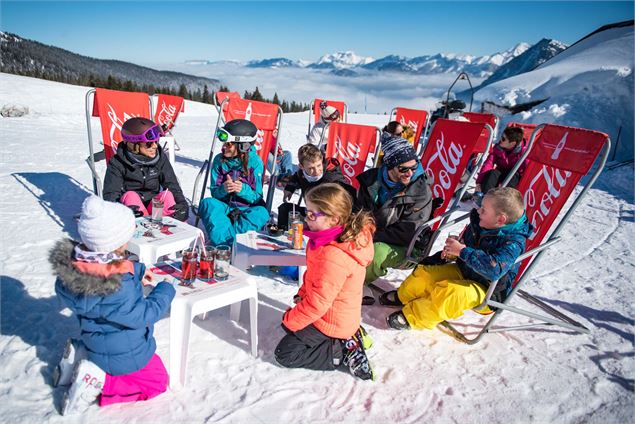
point(435, 293)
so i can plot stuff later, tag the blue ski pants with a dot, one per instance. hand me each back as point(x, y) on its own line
point(220, 229)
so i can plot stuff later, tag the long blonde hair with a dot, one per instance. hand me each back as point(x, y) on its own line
point(333, 200)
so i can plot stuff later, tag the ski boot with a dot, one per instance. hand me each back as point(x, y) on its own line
point(355, 358)
point(88, 382)
point(74, 351)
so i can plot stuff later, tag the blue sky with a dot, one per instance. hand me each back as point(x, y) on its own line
point(154, 32)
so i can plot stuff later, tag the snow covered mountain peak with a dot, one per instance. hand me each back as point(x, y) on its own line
point(342, 60)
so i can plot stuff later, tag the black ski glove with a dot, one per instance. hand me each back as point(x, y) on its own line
point(423, 240)
point(135, 210)
point(181, 212)
point(233, 215)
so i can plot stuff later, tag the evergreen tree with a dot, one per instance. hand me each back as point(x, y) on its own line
point(183, 91)
point(257, 96)
point(206, 97)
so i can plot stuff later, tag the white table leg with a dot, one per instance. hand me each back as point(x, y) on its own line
point(253, 324)
point(180, 327)
point(234, 311)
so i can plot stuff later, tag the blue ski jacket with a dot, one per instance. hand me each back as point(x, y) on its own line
point(489, 255)
point(116, 321)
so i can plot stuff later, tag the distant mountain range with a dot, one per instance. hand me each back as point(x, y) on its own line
point(27, 57)
point(523, 56)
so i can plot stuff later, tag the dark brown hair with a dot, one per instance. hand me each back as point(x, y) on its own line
point(391, 127)
point(514, 134)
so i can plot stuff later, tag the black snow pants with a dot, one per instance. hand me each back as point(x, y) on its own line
point(309, 348)
point(495, 177)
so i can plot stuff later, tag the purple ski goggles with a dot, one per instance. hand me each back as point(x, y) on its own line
point(151, 134)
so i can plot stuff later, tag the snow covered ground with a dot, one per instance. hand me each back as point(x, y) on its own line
point(541, 375)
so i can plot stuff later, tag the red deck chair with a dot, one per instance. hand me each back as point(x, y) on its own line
point(113, 109)
point(267, 117)
point(485, 118)
point(315, 107)
point(419, 120)
point(166, 113)
point(220, 96)
point(445, 157)
point(559, 157)
point(168, 109)
point(350, 144)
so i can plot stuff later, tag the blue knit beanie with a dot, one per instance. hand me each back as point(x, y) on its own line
point(398, 151)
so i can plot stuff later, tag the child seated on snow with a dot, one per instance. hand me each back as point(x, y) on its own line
point(323, 328)
point(442, 289)
point(115, 357)
point(314, 170)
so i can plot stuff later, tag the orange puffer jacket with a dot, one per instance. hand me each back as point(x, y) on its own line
point(331, 296)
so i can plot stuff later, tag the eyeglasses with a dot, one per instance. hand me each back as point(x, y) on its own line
point(405, 169)
point(149, 144)
point(152, 134)
point(225, 137)
point(313, 215)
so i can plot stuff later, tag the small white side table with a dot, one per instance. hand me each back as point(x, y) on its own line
point(151, 241)
point(199, 298)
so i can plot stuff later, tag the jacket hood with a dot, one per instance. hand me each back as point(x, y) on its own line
point(75, 282)
point(363, 254)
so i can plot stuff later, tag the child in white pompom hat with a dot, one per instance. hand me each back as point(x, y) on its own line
point(115, 358)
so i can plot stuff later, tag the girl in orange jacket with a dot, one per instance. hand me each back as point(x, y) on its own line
point(323, 328)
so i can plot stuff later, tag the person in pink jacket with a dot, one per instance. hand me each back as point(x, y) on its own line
point(502, 158)
point(323, 328)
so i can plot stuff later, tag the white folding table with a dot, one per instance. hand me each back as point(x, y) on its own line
point(151, 241)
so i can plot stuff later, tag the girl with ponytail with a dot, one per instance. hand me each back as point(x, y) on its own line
point(323, 328)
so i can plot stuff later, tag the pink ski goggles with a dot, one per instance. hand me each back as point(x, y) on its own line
point(152, 134)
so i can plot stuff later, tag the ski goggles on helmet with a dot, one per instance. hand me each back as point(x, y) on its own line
point(225, 137)
point(152, 134)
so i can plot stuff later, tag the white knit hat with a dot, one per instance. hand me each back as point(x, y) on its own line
point(328, 112)
point(105, 226)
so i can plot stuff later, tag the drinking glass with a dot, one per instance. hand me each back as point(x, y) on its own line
point(157, 211)
point(206, 263)
point(454, 236)
point(188, 265)
point(223, 257)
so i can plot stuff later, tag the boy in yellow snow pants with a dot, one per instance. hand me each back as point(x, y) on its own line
point(442, 290)
point(435, 293)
